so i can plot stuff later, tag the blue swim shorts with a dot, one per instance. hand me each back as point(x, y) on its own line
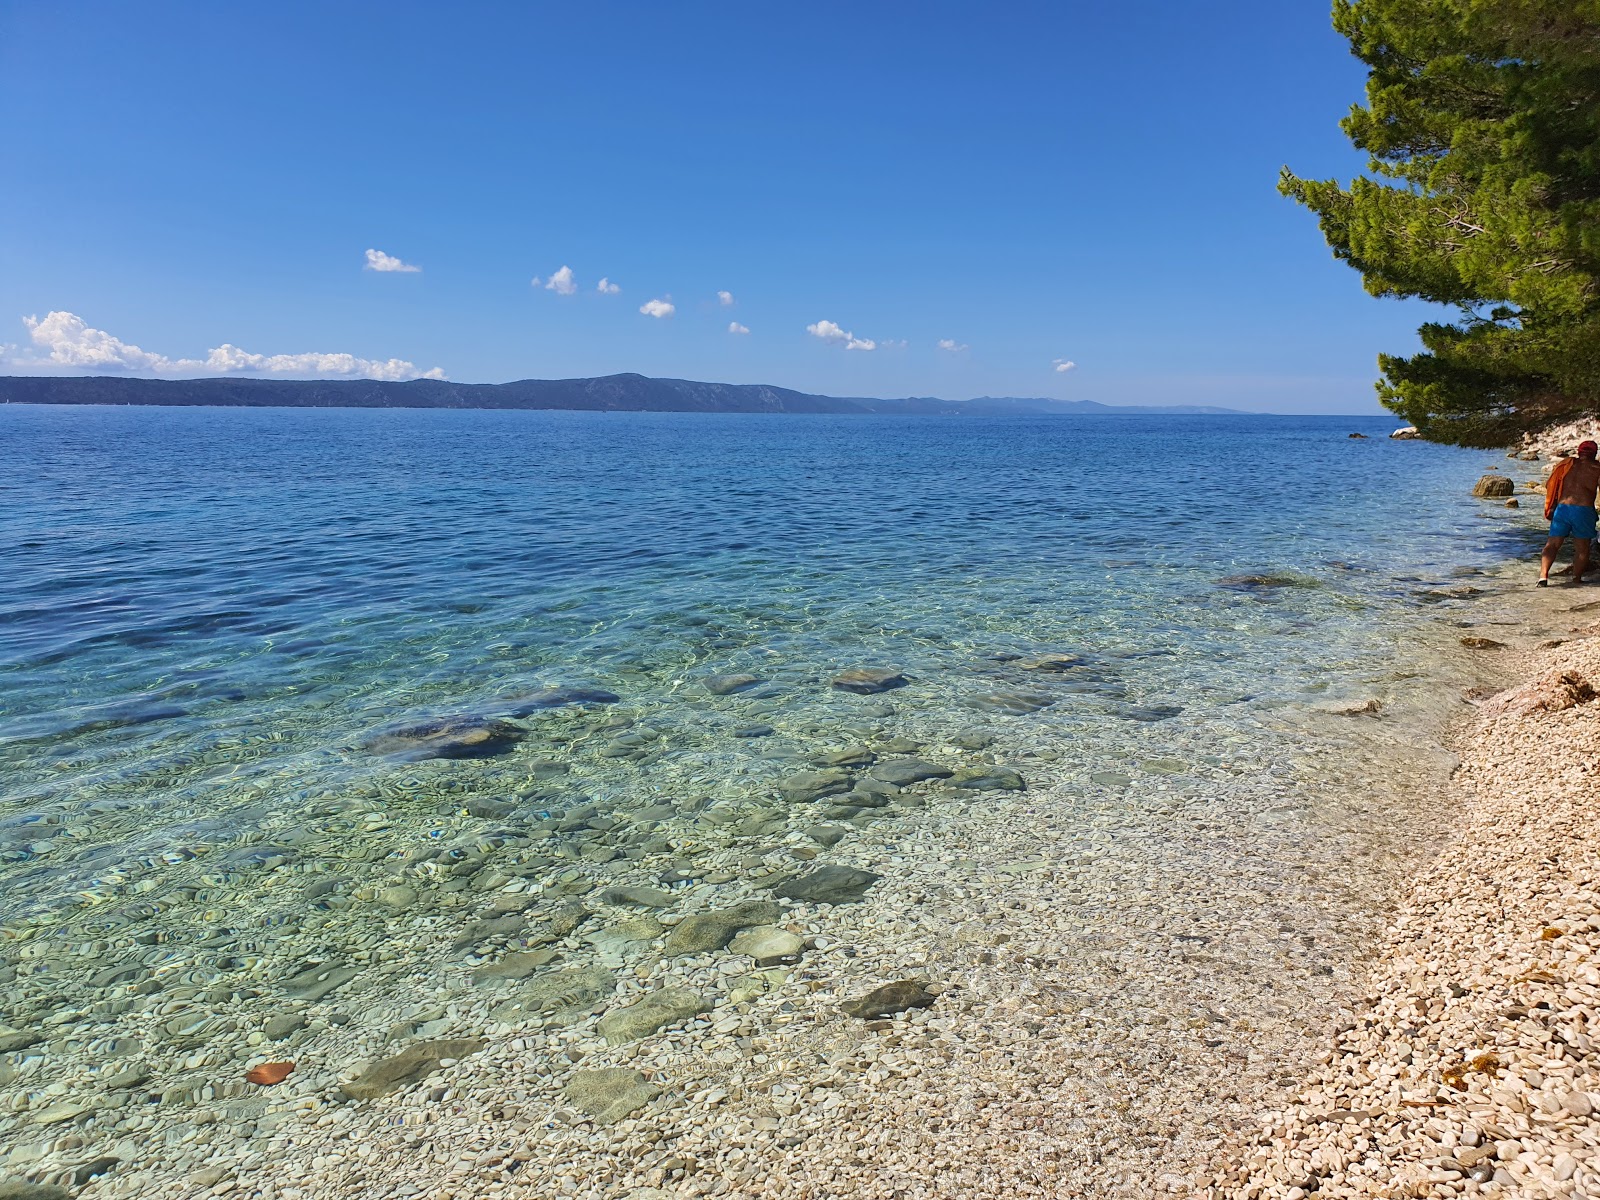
point(1572, 520)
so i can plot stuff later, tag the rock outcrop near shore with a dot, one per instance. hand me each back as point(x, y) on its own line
point(1474, 1066)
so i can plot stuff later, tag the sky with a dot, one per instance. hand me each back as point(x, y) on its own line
point(1065, 199)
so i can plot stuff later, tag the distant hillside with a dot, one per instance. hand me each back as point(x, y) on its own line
point(609, 393)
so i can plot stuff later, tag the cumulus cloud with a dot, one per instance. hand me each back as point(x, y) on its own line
point(377, 260)
point(725, 299)
point(952, 345)
point(735, 327)
point(561, 283)
point(830, 332)
point(1063, 364)
point(658, 308)
point(607, 288)
point(68, 341)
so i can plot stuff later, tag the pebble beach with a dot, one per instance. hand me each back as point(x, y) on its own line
point(1468, 1067)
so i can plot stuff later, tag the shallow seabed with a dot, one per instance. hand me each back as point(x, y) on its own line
point(236, 645)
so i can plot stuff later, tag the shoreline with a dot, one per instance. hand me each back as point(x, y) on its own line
point(1467, 1069)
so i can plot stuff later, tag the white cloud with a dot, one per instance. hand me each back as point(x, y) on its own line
point(1063, 364)
point(829, 332)
point(377, 260)
point(891, 344)
point(70, 342)
point(561, 283)
point(952, 345)
point(658, 308)
point(735, 327)
point(725, 299)
point(607, 288)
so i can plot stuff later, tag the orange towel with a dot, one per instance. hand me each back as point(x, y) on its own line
point(1552, 489)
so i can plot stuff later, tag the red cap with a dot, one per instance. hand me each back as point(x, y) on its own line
point(1587, 449)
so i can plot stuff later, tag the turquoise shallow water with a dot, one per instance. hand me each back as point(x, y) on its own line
point(205, 612)
point(229, 640)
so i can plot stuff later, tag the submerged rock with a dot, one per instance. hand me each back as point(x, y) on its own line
point(1053, 662)
point(609, 1095)
point(317, 982)
point(987, 779)
point(556, 697)
point(828, 885)
point(708, 931)
point(853, 756)
point(903, 771)
point(517, 965)
point(1011, 703)
point(814, 785)
point(654, 1011)
point(767, 944)
point(639, 897)
point(569, 992)
point(1149, 712)
point(411, 1065)
point(19, 1039)
point(866, 681)
point(1256, 583)
point(728, 685)
point(1482, 643)
point(446, 737)
point(891, 998)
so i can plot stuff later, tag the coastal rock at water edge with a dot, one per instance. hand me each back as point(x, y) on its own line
point(709, 931)
point(727, 685)
point(644, 1017)
point(1482, 643)
point(814, 785)
point(21, 1189)
point(866, 681)
point(409, 1066)
point(611, 1094)
point(462, 736)
point(1491, 486)
point(828, 885)
point(1406, 433)
point(891, 998)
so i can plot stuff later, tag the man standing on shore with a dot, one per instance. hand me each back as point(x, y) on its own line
point(1569, 506)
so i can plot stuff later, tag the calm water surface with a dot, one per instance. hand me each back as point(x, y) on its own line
point(225, 838)
point(204, 612)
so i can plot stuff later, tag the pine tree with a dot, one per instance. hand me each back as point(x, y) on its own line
point(1483, 126)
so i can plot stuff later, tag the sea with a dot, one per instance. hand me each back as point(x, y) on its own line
point(277, 685)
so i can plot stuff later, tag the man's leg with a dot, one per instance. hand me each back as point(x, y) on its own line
point(1580, 559)
point(1552, 547)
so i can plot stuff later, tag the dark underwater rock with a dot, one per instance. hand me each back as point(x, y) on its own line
point(463, 736)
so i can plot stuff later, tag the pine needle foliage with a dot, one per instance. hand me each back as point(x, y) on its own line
point(1482, 123)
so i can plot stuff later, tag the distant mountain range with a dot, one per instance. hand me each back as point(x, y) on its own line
point(608, 393)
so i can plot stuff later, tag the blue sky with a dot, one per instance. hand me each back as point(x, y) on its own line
point(1032, 183)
